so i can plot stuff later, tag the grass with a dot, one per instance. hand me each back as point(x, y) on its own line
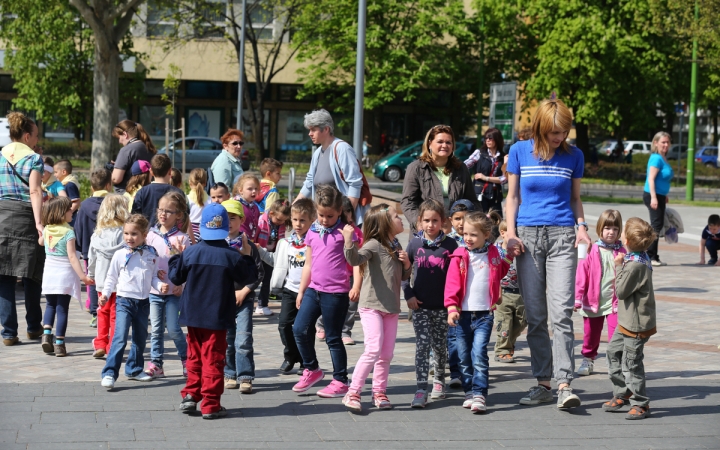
point(638, 201)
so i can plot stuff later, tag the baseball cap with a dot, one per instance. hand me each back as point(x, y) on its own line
point(139, 167)
point(234, 207)
point(215, 223)
point(461, 205)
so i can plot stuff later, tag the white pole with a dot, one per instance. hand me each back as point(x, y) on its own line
point(360, 80)
point(241, 68)
point(182, 135)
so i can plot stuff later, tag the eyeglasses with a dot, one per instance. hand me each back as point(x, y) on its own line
point(237, 143)
point(489, 138)
point(164, 212)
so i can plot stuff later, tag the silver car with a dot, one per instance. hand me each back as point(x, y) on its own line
point(201, 151)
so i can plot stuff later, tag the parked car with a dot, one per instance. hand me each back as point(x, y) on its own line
point(608, 147)
point(677, 151)
point(708, 156)
point(4, 132)
point(392, 167)
point(201, 151)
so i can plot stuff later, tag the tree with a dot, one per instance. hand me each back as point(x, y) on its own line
point(171, 85)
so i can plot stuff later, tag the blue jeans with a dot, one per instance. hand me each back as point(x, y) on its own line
point(473, 334)
point(164, 310)
point(453, 358)
point(128, 311)
point(333, 308)
point(8, 309)
point(239, 361)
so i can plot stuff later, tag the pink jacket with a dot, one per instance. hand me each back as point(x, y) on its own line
point(456, 280)
point(588, 279)
point(263, 233)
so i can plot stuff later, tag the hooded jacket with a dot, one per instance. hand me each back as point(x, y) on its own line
point(103, 245)
point(456, 281)
point(588, 279)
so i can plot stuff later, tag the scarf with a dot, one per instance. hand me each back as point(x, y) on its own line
point(54, 233)
point(140, 248)
point(100, 193)
point(434, 243)
point(395, 245)
point(459, 239)
point(244, 202)
point(482, 249)
point(296, 240)
point(166, 236)
point(235, 242)
point(16, 151)
point(640, 257)
point(321, 230)
point(192, 196)
point(71, 179)
point(615, 247)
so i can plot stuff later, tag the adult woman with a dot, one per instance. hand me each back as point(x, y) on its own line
point(489, 177)
point(546, 172)
point(227, 167)
point(137, 146)
point(657, 187)
point(21, 171)
point(437, 174)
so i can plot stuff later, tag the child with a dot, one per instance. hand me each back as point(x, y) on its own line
point(50, 185)
point(209, 270)
point(176, 178)
point(595, 287)
point(147, 198)
point(383, 266)
point(324, 291)
point(429, 252)
point(219, 192)
point(63, 172)
point(510, 312)
point(239, 359)
point(167, 237)
point(471, 292)
point(62, 273)
point(710, 240)
point(104, 243)
point(271, 170)
point(244, 191)
point(271, 228)
point(85, 222)
point(133, 270)
point(140, 172)
point(197, 198)
point(636, 322)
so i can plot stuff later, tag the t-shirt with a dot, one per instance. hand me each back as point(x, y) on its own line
point(664, 176)
point(477, 289)
point(607, 285)
point(707, 235)
point(55, 188)
point(323, 173)
point(73, 194)
point(60, 248)
point(444, 179)
point(296, 262)
point(135, 150)
point(329, 268)
point(545, 186)
point(147, 199)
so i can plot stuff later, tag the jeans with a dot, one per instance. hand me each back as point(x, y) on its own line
point(380, 330)
point(92, 294)
point(288, 313)
point(164, 311)
point(239, 361)
point(657, 220)
point(453, 358)
point(593, 327)
point(349, 320)
point(473, 335)
point(57, 304)
point(333, 307)
point(626, 369)
point(128, 312)
point(8, 309)
point(712, 248)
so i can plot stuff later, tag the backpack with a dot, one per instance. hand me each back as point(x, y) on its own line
point(211, 180)
point(365, 195)
point(261, 197)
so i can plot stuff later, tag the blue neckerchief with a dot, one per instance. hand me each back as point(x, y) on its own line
point(138, 248)
point(434, 243)
point(243, 201)
point(166, 236)
point(395, 245)
point(482, 249)
point(273, 230)
point(236, 242)
point(615, 247)
point(459, 239)
point(296, 240)
point(321, 230)
point(640, 257)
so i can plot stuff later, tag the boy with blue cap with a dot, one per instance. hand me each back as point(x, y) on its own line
point(209, 270)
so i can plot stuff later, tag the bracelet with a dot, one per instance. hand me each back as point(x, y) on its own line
point(583, 224)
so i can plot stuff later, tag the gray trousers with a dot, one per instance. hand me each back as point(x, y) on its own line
point(546, 276)
point(626, 369)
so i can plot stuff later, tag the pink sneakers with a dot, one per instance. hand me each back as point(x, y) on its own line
point(308, 379)
point(333, 390)
point(155, 371)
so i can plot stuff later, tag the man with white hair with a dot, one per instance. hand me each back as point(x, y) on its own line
point(334, 163)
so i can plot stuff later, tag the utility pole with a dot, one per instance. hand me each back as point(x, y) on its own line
point(241, 68)
point(360, 80)
point(690, 185)
point(481, 93)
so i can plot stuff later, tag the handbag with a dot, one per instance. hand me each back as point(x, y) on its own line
point(365, 194)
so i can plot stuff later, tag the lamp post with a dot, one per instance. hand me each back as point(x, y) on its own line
point(241, 67)
point(359, 80)
point(690, 185)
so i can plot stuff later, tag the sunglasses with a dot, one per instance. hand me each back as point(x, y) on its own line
point(237, 143)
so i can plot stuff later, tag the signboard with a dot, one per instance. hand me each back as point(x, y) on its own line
point(502, 108)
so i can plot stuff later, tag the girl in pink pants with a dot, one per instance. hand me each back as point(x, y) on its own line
point(595, 287)
point(383, 265)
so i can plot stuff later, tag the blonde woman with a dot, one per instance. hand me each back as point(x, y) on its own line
point(545, 172)
point(657, 187)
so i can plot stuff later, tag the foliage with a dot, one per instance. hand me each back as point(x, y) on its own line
point(171, 85)
point(66, 150)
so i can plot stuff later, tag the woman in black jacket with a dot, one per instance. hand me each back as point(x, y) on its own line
point(489, 177)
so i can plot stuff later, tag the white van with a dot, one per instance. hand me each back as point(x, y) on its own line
point(4, 132)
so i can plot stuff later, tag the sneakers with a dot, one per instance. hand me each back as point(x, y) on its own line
point(188, 404)
point(334, 390)
point(93, 322)
point(230, 383)
point(347, 340)
point(184, 366)
point(478, 405)
point(455, 383)
point(536, 395)
point(154, 370)
point(35, 334)
point(263, 311)
point(438, 391)
point(108, 382)
point(308, 379)
point(420, 400)
point(468, 400)
point(381, 401)
point(246, 386)
point(60, 350)
point(142, 376)
point(222, 412)
point(351, 400)
point(47, 342)
point(566, 399)
point(586, 367)
point(658, 263)
point(320, 334)
point(98, 353)
point(9, 342)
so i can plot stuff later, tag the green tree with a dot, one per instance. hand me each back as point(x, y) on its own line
point(171, 85)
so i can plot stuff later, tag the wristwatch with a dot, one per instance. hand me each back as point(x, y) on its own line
point(583, 224)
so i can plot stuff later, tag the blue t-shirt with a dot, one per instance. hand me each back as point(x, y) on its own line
point(55, 188)
point(664, 176)
point(60, 248)
point(545, 186)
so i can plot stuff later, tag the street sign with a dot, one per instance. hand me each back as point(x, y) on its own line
point(502, 108)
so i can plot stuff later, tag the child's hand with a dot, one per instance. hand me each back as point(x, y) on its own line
point(404, 259)
point(88, 281)
point(348, 231)
point(178, 247)
point(619, 259)
point(413, 303)
point(240, 297)
point(177, 291)
point(354, 295)
point(161, 275)
point(453, 317)
point(164, 288)
point(245, 250)
point(298, 300)
point(102, 300)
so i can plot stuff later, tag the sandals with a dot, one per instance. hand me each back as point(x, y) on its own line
point(505, 358)
point(638, 413)
point(615, 404)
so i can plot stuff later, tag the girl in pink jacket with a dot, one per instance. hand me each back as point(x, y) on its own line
point(595, 287)
point(472, 289)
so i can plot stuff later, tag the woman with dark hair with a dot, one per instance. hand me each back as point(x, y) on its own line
point(489, 177)
point(21, 171)
point(137, 146)
point(437, 175)
point(227, 167)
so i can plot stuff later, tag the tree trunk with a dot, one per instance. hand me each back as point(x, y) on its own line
point(715, 124)
point(582, 139)
point(105, 85)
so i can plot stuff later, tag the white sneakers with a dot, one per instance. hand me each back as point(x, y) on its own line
point(108, 382)
point(263, 311)
point(586, 367)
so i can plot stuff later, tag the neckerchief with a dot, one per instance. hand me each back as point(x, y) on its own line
point(321, 230)
point(54, 233)
point(640, 257)
point(166, 236)
point(615, 247)
point(296, 240)
point(49, 183)
point(243, 201)
point(71, 179)
point(395, 245)
point(273, 230)
point(483, 249)
point(131, 251)
point(434, 243)
point(459, 239)
point(235, 242)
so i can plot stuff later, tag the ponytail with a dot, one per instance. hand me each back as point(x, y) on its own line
point(134, 130)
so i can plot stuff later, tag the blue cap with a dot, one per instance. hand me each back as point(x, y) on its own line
point(215, 223)
point(458, 206)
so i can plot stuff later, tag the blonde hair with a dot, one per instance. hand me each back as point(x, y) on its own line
point(113, 212)
point(639, 234)
point(550, 114)
point(378, 225)
point(180, 202)
point(244, 178)
point(453, 162)
point(502, 226)
point(482, 221)
point(139, 221)
point(198, 180)
point(54, 210)
point(659, 135)
point(609, 218)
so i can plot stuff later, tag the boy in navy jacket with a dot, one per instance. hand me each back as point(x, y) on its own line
point(209, 270)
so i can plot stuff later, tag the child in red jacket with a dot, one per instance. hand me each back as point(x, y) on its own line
point(472, 289)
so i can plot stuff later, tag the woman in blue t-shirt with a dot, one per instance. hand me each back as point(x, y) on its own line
point(546, 172)
point(657, 187)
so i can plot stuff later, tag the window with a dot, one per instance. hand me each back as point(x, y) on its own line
point(289, 93)
point(205, 89)
point(159, 20)
point(7, 84)
point(291, 133)
point(152, 119)
point(154, 88)
point(205, 144)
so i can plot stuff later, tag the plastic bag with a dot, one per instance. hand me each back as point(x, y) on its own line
point(671, 235)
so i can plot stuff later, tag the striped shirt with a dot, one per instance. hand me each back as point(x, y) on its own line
point(545, 186)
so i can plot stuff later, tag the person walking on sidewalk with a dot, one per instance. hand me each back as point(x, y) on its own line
point(657, 187)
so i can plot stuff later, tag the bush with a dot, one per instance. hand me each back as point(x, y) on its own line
point(296, 156)
point(66, 150)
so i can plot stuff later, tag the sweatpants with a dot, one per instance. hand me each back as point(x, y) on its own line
point(205, 363)
point(105, 325)
point(593, 327)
